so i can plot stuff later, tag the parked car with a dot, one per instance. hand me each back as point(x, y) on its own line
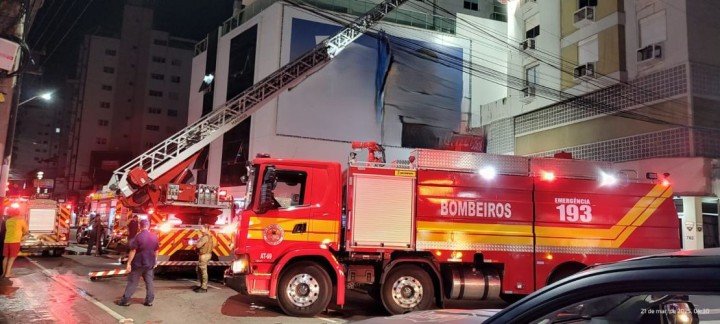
point(680, 287)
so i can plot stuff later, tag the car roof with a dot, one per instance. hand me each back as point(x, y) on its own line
point(655, 267)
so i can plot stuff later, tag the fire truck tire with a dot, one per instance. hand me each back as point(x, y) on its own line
point(564, 271)
point(407, 288)
point(304, 289)
point(57, 252)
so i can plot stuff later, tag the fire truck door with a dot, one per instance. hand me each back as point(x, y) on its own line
point(293, 212)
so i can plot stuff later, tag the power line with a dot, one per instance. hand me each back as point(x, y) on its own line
point(483, 72)
point(67, 32)
point(52, 19)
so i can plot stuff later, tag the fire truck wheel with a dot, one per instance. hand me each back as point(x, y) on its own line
point(304, 289)
point(407, 288)
point(57, 252)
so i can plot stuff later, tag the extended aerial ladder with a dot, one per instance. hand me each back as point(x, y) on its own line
point(169, 159)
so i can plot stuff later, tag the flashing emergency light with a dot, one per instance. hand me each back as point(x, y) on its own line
point(607, 179)
point(151, 211)
point(488, 173)
point(15, 205)
point(665, 182)
point(547, 176)
point(165, 227)
point(223, 193)
point(68, 206)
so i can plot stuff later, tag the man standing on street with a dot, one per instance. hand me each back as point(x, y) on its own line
point(141, 262)
point(15, 229)
point(133, 227)
point(204, 247)
point(95, 235)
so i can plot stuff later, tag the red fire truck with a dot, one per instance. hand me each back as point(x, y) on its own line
point(443, 225)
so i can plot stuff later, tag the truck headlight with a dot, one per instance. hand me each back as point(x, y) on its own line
point(240, 265)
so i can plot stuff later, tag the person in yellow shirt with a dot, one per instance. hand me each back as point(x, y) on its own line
point(15, 229)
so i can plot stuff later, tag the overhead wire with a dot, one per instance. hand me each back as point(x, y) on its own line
point(67, 32)
point(49, 26)
point(504, 79)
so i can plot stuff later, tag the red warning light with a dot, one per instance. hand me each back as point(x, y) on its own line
point(151, 211)
point(547, 176)
point(665, 183)
point(223, 193)
point(68, 206)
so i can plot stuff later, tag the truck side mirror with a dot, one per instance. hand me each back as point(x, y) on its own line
point(680, 312)
point(267, 198)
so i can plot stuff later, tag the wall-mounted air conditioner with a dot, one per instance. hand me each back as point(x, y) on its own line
point(528, 44)
point(528, 93)
point(650, 53)
point(585, 71)
point(584, 16)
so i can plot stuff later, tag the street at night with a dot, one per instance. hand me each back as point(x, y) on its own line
point(58, 290)
point(370, 161)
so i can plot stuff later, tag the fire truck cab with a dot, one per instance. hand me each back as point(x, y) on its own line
point(441, 225)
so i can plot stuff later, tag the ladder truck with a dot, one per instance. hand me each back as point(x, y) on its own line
point(155, 183)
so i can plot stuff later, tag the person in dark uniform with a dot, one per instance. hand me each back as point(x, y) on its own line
point(95, 235)
point(133, 228)
point(141, 262)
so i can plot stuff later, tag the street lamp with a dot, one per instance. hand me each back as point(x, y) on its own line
point(47, 96)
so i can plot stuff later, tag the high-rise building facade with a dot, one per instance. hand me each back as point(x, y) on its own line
point(634, 82)
point(131, 92)
point(423, 100)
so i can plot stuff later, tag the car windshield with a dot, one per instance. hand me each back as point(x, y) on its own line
point(631, 308)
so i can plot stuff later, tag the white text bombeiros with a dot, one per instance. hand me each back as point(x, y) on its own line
point(469, 208)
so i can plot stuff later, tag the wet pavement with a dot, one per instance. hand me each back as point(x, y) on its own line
point(58, 290)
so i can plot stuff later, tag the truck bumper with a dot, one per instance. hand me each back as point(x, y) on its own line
point(236, 282)
point(32, 248)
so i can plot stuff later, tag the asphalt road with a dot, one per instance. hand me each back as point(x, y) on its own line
point(58, 290)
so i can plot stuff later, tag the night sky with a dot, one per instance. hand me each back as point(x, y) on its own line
point(191, 19)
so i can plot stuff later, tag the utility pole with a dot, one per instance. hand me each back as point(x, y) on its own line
point(11, 87)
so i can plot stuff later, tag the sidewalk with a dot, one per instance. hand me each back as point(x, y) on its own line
point(38, 295)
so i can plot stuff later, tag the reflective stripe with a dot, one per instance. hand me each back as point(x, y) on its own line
point(599, 250)
point(459, 246)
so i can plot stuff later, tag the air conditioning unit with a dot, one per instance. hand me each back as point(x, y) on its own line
point(584, 16)
point(528, 44)
point(649, 53)
point(585, 71)
point(528, 94)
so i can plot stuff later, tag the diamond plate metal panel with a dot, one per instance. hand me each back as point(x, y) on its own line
point(568, 168)
point(467, 161)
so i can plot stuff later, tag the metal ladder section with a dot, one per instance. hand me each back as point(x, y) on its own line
point(190, 140)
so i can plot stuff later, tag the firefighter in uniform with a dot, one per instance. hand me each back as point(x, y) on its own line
point(95, 235)
point(204, 247)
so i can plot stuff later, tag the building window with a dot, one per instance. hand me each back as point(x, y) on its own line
point(103, 122)
point(110, 52)
point(587, 3)
point(653, 29)
point(532, 27)
point(107, 87)
point(173, 95)
point(471, 4)
point(104, 104)
point(108, 69)
point(152, 127)
point(531, 75)
point(160, 42)
point(157, 76)
point(154, 110)
point(101, 140)
point(158, 59)
point(155, 93)
point(175, 79)
point(588, 50)
point(290, 188)
point(176, 62)
point(172, 112)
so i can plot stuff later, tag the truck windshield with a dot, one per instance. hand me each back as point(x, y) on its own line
point(252, 171)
